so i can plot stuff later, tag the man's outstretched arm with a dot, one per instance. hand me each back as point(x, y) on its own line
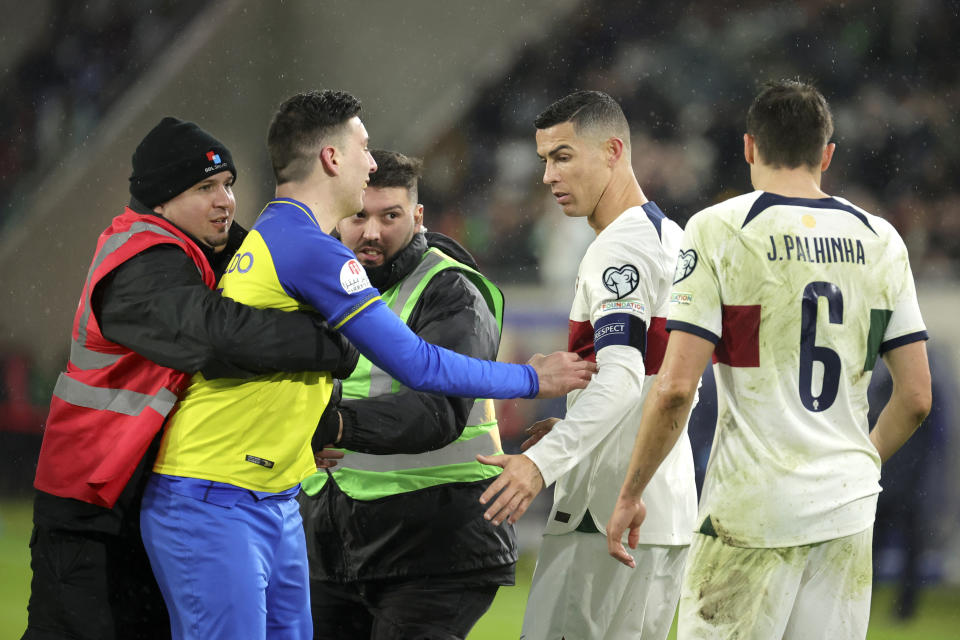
point(451, 313)
point(381, 336)
point(612, 394)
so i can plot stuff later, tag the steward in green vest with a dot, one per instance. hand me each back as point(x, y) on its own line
point(401, 509)
point(431, 448)
point(368, 476)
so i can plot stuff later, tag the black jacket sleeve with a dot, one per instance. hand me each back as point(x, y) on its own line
point(157, 305)
point(450, 313)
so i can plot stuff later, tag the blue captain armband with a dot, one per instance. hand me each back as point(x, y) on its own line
point(620, 328)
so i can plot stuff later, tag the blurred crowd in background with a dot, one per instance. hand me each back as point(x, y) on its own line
point(685, 74)
point(55, 94)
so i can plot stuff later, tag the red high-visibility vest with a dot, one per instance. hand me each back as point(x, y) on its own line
point(110, 402)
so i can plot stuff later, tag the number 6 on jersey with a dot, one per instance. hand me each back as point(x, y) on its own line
point(810, 352)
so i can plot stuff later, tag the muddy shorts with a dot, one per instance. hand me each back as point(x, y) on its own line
point(813, 591)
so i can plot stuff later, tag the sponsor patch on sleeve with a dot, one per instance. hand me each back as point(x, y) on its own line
point(623, 305)
point(681, 297)
point(620, 328)
point(353, 277)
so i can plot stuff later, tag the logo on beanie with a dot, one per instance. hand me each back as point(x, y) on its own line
point(218, 163)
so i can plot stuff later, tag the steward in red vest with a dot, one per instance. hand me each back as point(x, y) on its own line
point(111, 401)
point(147, 320)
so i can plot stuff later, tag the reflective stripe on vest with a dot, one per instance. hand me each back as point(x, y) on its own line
point(124, 401)
point(111, 244)
point(455, 462)
point(130, 403)
point(110, 399)
point(481, 439)
point(83, 358)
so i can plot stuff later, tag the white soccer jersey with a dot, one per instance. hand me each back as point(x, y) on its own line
point(618, 318)
point(799, 296)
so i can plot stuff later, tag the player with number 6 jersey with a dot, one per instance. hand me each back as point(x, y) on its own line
point(812, 290)
point(796, 293)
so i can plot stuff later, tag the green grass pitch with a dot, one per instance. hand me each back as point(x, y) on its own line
point(938, 614)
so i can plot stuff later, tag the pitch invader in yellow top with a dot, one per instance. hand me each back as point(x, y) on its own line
point(220, 519)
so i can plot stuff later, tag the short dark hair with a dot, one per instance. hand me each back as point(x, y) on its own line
point(396, 170)
point(300, 127)
point(587, 110)
point(791, 123)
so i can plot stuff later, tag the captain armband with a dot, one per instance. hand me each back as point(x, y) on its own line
point(620, 328)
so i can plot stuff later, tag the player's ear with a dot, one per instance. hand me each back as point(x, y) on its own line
point(749, 148)
point(615, 150)
point(330, 160)
point(827, 156)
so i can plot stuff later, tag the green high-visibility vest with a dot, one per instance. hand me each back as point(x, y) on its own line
point(365, 476)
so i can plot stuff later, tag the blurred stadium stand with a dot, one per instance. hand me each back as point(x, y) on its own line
point(685, 75)
point(460, 83)
point(74, 62)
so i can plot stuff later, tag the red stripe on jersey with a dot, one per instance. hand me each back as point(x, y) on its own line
point(580, 340)
point(739, 344)
point(656, 345)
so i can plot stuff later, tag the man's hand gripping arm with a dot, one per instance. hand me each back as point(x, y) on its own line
point(601, 406)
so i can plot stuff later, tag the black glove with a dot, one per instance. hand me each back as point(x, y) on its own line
point(349, 356)
point(328, 427)
point(335, 353)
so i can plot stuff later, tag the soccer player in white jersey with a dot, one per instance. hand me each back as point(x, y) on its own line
point(796, 293)
point(618, 319)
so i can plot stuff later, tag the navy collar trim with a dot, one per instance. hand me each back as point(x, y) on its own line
point(655, 215)
point(767, 200)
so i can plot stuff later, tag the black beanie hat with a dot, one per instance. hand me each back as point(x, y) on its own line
point(173, 157)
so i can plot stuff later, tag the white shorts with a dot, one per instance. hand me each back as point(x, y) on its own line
point(580, 593)
point(815, 591)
